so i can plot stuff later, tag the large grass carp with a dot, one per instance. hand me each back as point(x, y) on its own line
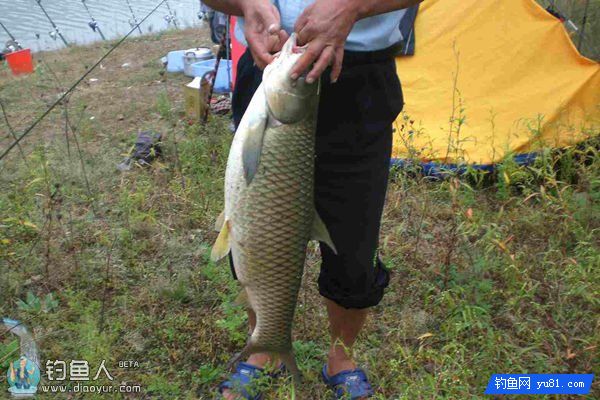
point(269, 214)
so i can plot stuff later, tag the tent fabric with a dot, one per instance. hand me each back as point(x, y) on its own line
point(491, 78)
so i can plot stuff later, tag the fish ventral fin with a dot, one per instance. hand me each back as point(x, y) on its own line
point(252, 147)
point(320, 232)
point(242, 299)
point(221, 247)
point(220, 221)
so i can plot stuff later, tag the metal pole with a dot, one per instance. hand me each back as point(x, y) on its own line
point(52, 23)
point(212, 86)
point(93, 24)
point(133, 15)
point(583, 23)
point(8, 32)
point(172, 16)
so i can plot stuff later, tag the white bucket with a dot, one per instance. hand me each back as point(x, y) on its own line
point(193, 56)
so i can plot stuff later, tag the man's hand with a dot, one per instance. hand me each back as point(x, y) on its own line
point(262, 30)
point(324, 27)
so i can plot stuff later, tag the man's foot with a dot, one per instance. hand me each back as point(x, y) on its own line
point(339, 361)
point(344, 378)
point(348, 385)
point(259, 361)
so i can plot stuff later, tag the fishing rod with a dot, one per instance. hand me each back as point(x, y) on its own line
point(133, 21)
point(93, 23)
point(583, 24)
point(55, 32)
point(14, 39)
point(171, 17)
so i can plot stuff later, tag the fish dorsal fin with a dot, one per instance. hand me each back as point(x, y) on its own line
point(320, 232)
point(221, 247)
point(253, 142)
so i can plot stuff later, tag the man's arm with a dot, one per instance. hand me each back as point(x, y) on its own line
point(370, 8)
point(231, 7)
point(262, 27)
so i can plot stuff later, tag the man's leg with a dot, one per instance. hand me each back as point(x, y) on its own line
point(344, 326)
point(353, 146)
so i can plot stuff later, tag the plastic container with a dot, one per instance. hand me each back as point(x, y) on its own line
point(175, 61)
point(193, 56)
point(20, 62)
point(225, 72)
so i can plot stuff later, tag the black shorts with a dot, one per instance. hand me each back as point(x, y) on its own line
point(353, 149)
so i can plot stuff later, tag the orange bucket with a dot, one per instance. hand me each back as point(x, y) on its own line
point(20, 62)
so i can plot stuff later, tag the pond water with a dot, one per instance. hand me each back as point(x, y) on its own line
point(26, 21)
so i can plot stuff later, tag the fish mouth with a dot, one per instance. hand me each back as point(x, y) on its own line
point(291, 47)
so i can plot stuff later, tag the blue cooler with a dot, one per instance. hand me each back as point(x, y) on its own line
point(223, 75)
point(175, 61)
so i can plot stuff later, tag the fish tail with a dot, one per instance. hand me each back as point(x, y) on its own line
point(287, 358)
point(289, 361)
point(245, 353)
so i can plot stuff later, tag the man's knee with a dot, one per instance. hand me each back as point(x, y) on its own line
point(354, 286)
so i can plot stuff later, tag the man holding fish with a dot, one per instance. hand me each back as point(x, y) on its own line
point(350, 46)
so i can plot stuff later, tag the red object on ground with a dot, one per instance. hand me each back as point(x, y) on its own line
point(20, 62)
point(237, 49)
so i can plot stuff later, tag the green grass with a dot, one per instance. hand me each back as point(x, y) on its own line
point(491, 274)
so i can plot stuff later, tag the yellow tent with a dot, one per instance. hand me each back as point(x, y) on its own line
point(490, 77)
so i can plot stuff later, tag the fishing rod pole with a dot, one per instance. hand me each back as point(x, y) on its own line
point(14, 39)
point(583, 24)
point(56, 31)
point(133, 21)
point(93, 23)
point(13, 44)
point(562, 15)
point(171, 17)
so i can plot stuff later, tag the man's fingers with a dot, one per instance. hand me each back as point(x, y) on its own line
point(322, 63)
point(304, 36)
point(312, 53)
point(299, 26)
point(262, 60)
point(259, 51)
point(273, 29)
point(282, 37)
point(336, 70)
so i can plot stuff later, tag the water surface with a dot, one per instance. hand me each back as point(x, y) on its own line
point(25, 18)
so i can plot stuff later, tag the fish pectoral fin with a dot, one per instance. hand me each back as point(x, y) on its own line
point(252, 147)
point(220, 221)
point(320, 232)
point(221, 247)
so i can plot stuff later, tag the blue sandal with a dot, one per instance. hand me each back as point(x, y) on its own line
point(351, 384)
point(243, 380)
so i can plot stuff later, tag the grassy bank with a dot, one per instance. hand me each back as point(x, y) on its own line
point(490, 274)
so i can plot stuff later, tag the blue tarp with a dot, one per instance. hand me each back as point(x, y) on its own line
point(438, 170)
